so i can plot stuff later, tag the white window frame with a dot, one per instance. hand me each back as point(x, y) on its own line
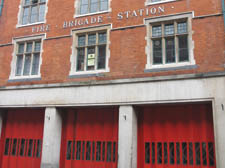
point(20, 15)
point(149, 2)
point(73, 58)
point(16, 41)
point(77, 9)
point(149, 51)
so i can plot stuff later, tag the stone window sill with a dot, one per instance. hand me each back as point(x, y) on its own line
point(24, 79)
point(147, 3)
point(185, 67)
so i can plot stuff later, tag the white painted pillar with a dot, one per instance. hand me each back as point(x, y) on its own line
point(127, 145)
point(219, 127)
point(51, 138)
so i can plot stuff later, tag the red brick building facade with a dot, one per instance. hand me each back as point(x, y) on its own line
point(106, 83)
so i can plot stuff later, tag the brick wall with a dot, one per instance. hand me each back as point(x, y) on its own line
point(127, 48)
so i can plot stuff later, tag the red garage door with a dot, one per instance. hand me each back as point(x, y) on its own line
point(22, 139)
point(176, 136)
point(89, 138)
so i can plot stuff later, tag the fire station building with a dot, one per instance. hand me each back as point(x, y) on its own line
point(112, 84)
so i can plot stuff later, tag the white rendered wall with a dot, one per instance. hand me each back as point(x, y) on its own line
point(127, 147)
point(51, 138)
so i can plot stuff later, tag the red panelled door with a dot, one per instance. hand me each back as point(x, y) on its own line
point(176, 136)
point(22, 139)
point(89, 138)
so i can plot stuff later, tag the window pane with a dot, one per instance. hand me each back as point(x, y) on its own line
point(178, 152)
point(182, 27)
point(30, 149)
point(35, 64)
point(37, 46)
point(191, 153)
point(7, 145)
point(84, 2)
point(27, 2)
point(34, 14)
point(22, 146)
point(94, 1)
point(91, 50)
point(29, 47)
point(14, 147)
point(91, 58)
point(103, 5)
point(101, 57)
point(91, 39)
point(147, 152)
point(109, 152)
point(25, 18)
point(18, 147)
point(34, 1)
point(73, 152)
point(169, 29)
point(68, 152)
point(170, 50)
point(42, 0)
point(80, 59)
point(103, 151)
point(81, 41)
point(98, 151)
point(83, 149)
point(211, 154)
point(183, 48)
point(93, 151)
point(19, 64)
point(27, 65)
point(159, 153)
point(88, 150)
point(184, 153)
point(94, 6)
point(197, 153)
point(78, 150)
point(172, 156)
point(102, 38)
point(153, 152)
point(157, 51)
point(83, 9)
point(26, 147)
point(39, 145)
point(114, 151)
point(204, 155)
point(21, 48)
point(34, 148)
point(156, 31)
point(165, 153)
point(41, 12)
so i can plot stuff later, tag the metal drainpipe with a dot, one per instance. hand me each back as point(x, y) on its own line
point(223, 11)
point(1, 6)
